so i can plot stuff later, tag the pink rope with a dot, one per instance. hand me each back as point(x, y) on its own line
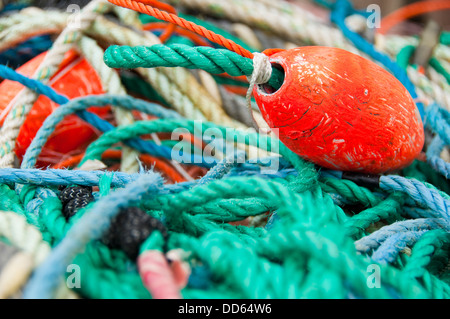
point(157, 275)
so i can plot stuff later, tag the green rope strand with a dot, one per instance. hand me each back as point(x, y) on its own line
point(389, 208)
point(125, 132)
point(106, 283)
point(230, 210)
point(10, 201)
point(423, 250)
point(212, 60)
point(423, 254)
point(350, 191)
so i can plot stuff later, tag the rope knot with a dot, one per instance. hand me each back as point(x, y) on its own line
point(262, 71)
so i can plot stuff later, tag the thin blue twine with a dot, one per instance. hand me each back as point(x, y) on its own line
point(438, 120)
point(56, 177)
point(222, 168)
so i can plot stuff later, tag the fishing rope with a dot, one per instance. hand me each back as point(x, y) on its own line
point(212, 60)
point(215, 219)
point(142, 7)
point(27, 25)
point(179, 88)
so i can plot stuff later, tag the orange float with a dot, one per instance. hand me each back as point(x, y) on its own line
point(342, 111)
point(75, 78)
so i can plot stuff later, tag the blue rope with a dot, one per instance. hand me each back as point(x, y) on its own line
point(91, 226)
point(421, 193)
point(434, 157)
point(438, 120)
point(13, 7)
point(55, 177)
point(89, 117)
point(389, 249)
point(417, 212)
point(9, 74)
point(374, 240)
point(23, 52)
point(97, 122)
point(222, 168)
point(341, 10)
point(80, 104)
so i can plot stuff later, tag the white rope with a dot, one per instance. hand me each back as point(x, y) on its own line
point(24, 236)
point(34, 249)
point(262, 71)
point(23, 26)
point(112, 84)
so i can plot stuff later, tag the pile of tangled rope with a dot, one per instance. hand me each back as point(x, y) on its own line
point(134, 222)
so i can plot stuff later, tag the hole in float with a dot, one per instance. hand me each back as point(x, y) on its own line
point(266, 88)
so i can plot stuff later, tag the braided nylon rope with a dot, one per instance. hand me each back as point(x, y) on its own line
point(233, 213)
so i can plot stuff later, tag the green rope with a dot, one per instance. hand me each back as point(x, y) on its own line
point(404, 56)
point(10, 201)
point(135, 85)
point(424, 252)
point(212, 60)
point(439, 68)
point(389, 208)
point(445, 38)
point(95, 149)
point(319, 239)
point(107, 283)
point(350, 191)
point(424, 249)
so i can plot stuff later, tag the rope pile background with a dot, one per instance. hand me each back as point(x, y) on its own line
point(233, 231)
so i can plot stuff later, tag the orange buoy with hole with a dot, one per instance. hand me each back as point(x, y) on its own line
point(341, 111)
point(75, 78)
